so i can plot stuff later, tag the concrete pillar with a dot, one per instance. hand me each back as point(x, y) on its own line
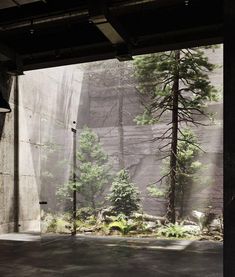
point(229, 139)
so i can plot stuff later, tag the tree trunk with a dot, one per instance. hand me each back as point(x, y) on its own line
point(120, 130)
point(93, 204)
point(173, 156)
point(181, 204)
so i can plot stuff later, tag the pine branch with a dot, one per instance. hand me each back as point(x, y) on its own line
point(157, 138)
point(164, 146)
point(192, 143)
point(196, 123)
point(162, 178)
point(163, 158)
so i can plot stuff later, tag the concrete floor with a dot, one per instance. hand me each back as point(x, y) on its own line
point(23, 255)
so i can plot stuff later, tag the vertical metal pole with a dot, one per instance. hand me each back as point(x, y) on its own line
point(16, 156)
point(74, 181)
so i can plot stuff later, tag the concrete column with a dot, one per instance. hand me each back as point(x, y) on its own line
point(229, 138)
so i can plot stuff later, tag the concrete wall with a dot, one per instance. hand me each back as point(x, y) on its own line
point(48, 101)
point(104, 84)
point(95, 95)
point(7, 138)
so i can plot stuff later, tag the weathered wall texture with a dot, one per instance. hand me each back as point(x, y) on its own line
point(109, 91)
point(102, 96)
point(7, 158)
point(48, 101)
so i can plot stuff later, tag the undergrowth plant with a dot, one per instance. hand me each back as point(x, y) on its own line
point(176, 230)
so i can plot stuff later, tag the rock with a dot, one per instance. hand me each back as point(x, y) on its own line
point(189, 222)
point(192, 229)
point(218, 238)
point(151, 226)
point(84, 213)
point(205, 238)
point(130, 222)
point(86, 229)
point(105, 214)
point(147, 217)
point(216, 225)
point(108, 219)
point(88, 233)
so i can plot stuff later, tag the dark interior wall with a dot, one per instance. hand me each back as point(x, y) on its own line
point(229, 138)
point(7, 161)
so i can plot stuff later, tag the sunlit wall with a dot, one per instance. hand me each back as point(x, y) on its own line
point(102, 96)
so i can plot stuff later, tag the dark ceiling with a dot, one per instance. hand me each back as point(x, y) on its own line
point(44, 33)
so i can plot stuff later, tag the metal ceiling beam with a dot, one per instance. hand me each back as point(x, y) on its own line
point(44, 20)
point(111, 29)
point(101, 51)
point(80, 12)
point(147, 35)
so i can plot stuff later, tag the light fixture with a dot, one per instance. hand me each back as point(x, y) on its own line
point(4, 106)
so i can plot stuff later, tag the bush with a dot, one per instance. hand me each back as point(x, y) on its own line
point(55, 224)
point(122, 225)
point(92, 173)
point(84, 213)
point(124, 195)
point(173, 230)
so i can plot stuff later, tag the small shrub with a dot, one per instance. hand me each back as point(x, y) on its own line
point(84, 213)
point(155, 192)
point(55, 224)
point(52, 226)
point(124, 195)
point(122, 225)
point(173, 230)
point(92, 173)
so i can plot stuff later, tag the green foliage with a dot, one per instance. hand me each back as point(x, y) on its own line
point(175, 82)
point(84, 213)
point(156, 73)
point(93, 171)
point(188, 151)
point(153, 191)
point(122, 225)
point(124, 195)
point(176, 230)
point(65, 191)
point(187, 168)
point(52, 226)
point(55, 224)
point(145, 118)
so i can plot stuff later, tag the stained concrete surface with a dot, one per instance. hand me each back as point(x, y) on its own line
point(83, 256)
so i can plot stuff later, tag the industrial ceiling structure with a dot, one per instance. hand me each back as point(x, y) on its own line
point(44, 33)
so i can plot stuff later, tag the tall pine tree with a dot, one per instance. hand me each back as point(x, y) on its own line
point(174, 82)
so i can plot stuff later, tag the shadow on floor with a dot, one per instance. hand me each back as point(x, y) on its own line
point(84, 256)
